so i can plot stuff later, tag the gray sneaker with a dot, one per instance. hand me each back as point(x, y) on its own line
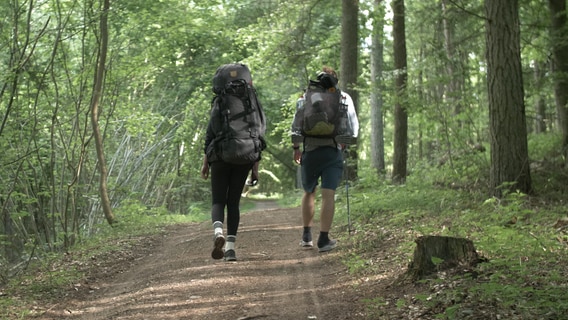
point(330, 245)
point(230, 255)
point(217, 252)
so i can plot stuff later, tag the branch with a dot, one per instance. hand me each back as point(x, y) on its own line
point(467, 11)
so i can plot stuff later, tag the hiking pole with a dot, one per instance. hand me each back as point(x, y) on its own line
point(346, 177)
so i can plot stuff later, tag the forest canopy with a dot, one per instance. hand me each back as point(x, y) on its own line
point(156, 96)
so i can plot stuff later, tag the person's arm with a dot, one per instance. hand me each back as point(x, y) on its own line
point(205, 168)
point(209, 137)
point(296, 129)
point(253, 180)
point(352, 115)
point(297, 153)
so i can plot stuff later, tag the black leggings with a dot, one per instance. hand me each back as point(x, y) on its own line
point(227, 182)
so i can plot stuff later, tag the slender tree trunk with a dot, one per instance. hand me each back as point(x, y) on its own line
point(559, 34)
point(349, 65)
point(420, 92)
point(377, 125)
point(400, 114)
point(453, 88)
point(509, 150)
point(97, 95)
point(540, 104)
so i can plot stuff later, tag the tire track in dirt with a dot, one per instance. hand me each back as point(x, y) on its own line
point(177, 279)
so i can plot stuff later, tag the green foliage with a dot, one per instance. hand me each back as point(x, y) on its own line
point(373, 307)
point(545, 146)
point(526, 268)
point(401, 303)
point(547, 169)
point(356, 264)
point(46, 277)
point(133, 213)
point(156, 102)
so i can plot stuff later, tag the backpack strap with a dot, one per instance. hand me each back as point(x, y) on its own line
point(225, 114)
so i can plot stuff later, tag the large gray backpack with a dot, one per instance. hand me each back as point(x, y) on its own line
point(323, 113)
point(238, 119)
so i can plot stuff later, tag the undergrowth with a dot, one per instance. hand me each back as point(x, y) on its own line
point(50, 275)
point(524, 240)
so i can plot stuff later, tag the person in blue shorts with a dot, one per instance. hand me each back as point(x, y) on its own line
point(321, 158)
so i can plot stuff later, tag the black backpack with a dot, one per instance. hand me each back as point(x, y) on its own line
point(238, 119)
point(324, 113)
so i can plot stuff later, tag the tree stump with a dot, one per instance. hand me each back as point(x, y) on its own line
point(437, 253)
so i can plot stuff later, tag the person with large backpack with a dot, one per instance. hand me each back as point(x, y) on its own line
point(325, 122)
point(233, 145)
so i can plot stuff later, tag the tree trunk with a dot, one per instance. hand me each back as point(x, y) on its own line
point(97, 94)
point(377, 126)
point(438, 253)
point(559, 34)
point(508, 131)
point(540, 104)
point(400, 115)
point(453, 88)
point(349, 66)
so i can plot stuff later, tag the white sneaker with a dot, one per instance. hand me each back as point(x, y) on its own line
point(306, 244)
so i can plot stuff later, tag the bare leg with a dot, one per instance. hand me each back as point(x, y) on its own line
point(327, 209)
point(308, 208)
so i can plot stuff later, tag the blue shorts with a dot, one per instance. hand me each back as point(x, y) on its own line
point(324, 162)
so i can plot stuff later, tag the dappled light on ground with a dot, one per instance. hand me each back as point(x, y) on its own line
point(273, 278)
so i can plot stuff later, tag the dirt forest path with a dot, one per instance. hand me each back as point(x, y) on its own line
point(175, 277)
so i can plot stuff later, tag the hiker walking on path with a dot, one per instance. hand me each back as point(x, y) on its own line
point(233, 145)
point(325, 121)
